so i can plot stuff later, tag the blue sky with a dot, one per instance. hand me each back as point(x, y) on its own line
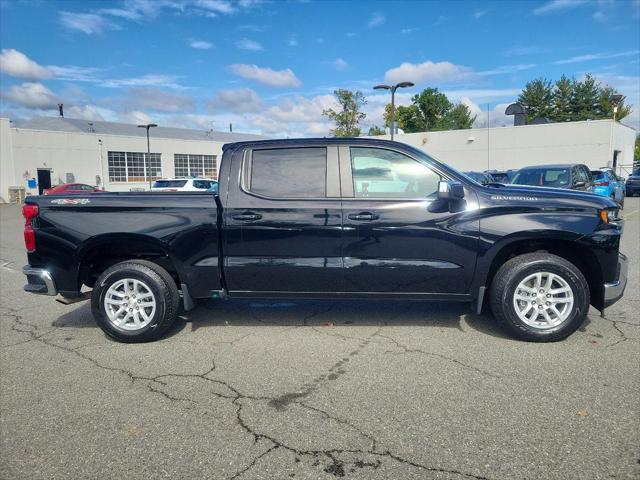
point(270, 66)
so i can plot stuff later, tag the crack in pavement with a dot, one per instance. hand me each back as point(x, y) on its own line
point(336, 466)
point(437, 355)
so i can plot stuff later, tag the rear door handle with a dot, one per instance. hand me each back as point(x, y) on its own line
point(363, 216)
point(247, 216)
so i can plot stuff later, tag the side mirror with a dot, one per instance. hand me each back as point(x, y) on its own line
point(449, 190)
point(579, 184)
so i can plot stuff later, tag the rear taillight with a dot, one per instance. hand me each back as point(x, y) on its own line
point(601, 184)
point(29, 212)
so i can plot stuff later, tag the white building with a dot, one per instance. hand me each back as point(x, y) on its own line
point(595, 143)
point(110, 155)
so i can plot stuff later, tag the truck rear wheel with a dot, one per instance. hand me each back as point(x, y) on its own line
point(540, 297)
point(135, 301)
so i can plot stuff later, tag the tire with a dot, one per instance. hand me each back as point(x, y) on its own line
point(135, 301)
point(511, 279)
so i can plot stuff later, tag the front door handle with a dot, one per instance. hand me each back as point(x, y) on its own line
point(363, 216)
point(247, 216)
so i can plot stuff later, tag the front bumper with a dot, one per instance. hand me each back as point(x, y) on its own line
point(633, 188)
point(39, 280)
point(613, 291)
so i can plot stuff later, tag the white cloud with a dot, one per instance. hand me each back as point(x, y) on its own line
point(31, 95)
point(480, 95)
point(216, 6)
point(17, 64)
point(201, 44)
point(150, 80)
point(88, 23)
point(518, 51)
point(241, 100)
point(267, 76)
point(158, 100)
point(74, 73)
point(377, 19)
point(597, 56)
point(506, 69)
point(90, 112)
point(251, 45)
point(479, 14)
point(340, 64)
point(427, 72)
point(293, 41)
point(135, 117)
point(557, 6)
point(407, 31)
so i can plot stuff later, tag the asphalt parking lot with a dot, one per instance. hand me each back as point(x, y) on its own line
point(315, 389)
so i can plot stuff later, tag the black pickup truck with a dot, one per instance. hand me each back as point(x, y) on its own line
point(330, 218)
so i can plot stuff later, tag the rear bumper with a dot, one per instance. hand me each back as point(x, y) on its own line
point(613, 291)
point(40, 281)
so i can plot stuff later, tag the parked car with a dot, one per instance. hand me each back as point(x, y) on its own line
point(569, 176)
point(213, 188)
point(182, 185)
point(480, 177)
point(632, 185)
point(334, 218)
point(607, 183)
point(498, 177)
point(66, 188)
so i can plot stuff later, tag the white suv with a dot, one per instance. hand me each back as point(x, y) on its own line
point(182, 185)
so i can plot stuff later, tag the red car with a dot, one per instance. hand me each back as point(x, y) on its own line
point(72, 188)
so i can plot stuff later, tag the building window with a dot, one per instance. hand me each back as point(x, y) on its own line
point(130, 167)
point(187, 165)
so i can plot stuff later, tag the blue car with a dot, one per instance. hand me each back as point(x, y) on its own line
point(607, 184)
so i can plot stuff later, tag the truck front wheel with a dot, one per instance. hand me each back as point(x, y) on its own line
point(135, 301)
point(540, 297)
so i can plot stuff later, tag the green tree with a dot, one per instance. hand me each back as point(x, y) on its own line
point(458, 118)
point(570, 100)
point(562, 99)
point(375, 130)
point(636, 151)
point(349, 115)
point(605, 104)
point(430, 110)
point(586, 99)
point(537, 98)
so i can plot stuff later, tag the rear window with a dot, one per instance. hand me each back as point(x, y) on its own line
point(288, 172)
point(543, 177)
point(597, 174)
point(169, 183)
point(203, 184)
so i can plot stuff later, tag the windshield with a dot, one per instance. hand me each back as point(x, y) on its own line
point(543, 177)
point(169, 183)
point(476, 176)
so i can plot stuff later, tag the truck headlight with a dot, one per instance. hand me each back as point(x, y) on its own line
point(609, 215)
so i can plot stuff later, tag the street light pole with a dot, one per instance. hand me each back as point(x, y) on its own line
point(148, 159)
point(615, 100)
point(393, 89)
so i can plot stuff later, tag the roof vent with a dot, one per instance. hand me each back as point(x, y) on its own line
point(519, 114)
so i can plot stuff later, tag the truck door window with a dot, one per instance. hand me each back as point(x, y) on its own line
point(379, 173)
point(288, 172)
